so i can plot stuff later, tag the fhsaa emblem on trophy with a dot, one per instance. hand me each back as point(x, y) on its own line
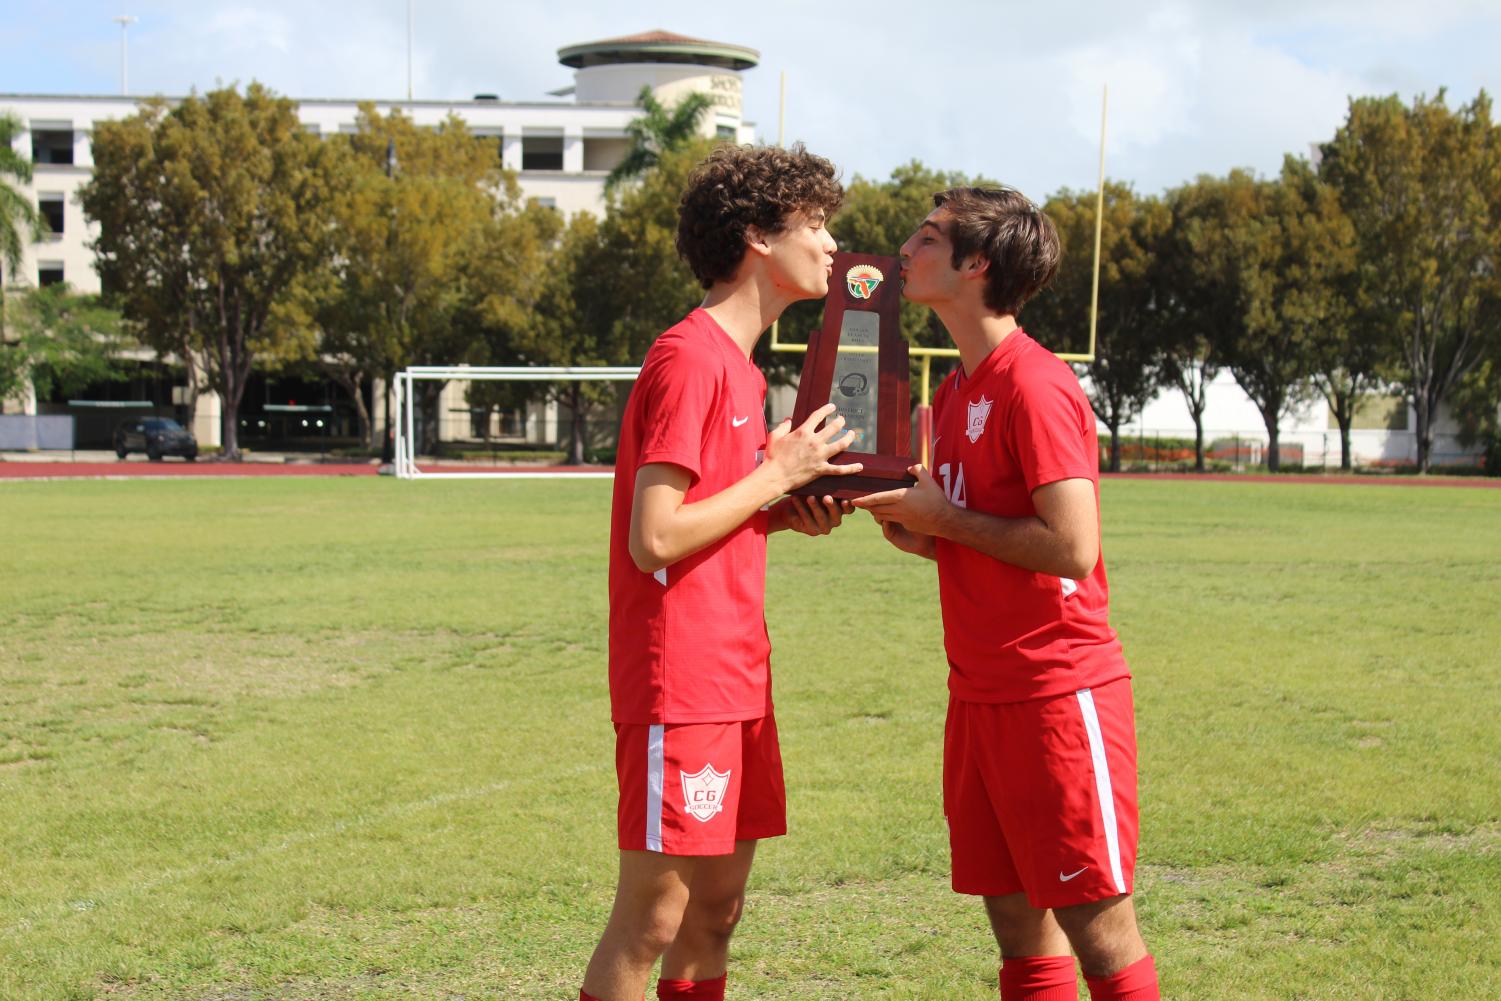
point(703, 792)
point(854, 384)
point(979, 411)
point(863, 280)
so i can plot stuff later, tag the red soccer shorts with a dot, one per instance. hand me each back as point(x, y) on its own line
point(697, 788)
point(1040, 796)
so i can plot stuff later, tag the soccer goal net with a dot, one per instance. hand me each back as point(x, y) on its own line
point(440, 404)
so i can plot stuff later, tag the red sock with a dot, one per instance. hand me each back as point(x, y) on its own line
point(1039, 978)
point(586, 997)
point(692, 990)
point(1137, 982)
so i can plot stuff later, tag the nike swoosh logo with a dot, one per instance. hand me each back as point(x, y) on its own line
point(1064, 879)
point(735, 422)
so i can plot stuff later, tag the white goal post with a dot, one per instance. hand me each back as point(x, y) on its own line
point(406, 411)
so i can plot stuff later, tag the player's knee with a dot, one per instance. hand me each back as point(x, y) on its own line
point(658, 930)
point(645, 931)
point(718, 918)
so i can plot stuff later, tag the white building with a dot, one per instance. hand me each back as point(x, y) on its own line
point(562, 148)
point(1384, 431)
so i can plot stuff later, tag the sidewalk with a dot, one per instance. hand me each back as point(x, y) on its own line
point(96, 456)
point(102, 464)
point(105, 466)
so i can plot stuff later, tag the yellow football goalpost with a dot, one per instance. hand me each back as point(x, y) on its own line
point(405, 465)
point(928, 354)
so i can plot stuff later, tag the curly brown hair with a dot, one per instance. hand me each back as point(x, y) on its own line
point(1014, 235)
point(737, 187)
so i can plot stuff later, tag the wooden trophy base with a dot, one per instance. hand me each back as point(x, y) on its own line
point(881, 472)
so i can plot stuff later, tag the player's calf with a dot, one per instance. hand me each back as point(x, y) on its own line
point(1023, 930)
point(1117, 966)
point(1103, 934)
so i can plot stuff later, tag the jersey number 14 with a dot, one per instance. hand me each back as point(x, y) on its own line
point(953, 488)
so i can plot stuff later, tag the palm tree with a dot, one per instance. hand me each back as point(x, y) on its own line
point(20, 220)
point(658, 130)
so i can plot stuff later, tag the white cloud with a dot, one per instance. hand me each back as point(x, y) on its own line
point(1150, 72)
point(1006, 90)
point(248, 29)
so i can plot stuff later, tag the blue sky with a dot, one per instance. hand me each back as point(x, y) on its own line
point(1007, 90)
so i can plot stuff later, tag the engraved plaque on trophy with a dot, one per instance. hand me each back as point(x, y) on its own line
point(858, 362)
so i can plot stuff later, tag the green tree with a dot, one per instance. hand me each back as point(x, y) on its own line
point(1193, 305)
point(509, 272)
point(1348, 357)
point(436, 257)
point(151, 271)
point(212, 214)
point(1261, 265)
point(629, 284)
point(570, 329)
point(658, 131)
point(615, 285)
point(1422, 186)
point(1126, 370)
point(20, 221)
point(1300, 305)
point(62, 342)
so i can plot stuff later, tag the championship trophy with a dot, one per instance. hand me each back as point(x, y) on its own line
point(858, 362)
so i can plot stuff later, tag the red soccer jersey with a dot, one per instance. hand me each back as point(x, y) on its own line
point(688, 644)
point(1021, 421)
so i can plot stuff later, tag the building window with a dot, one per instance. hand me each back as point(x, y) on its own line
point(724, 133)
point(52, 146)
point(52, 211)
point(1377, 413)
point(542, 153)
point(49, 273)
point(604, 153)
point(546, 202)
point(312, 128)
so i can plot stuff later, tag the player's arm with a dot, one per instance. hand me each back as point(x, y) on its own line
point(1062, 539)
point(664, 528)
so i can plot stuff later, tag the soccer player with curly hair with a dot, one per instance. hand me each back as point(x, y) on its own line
point(697, 481)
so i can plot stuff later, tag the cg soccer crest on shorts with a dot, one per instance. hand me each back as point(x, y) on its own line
point(863, 280)
point(703, 792)
point(979, 413)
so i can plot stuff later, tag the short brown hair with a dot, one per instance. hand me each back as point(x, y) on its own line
point(1006, 229)
point(737, 187)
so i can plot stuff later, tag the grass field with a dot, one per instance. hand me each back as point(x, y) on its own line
point(345, 738)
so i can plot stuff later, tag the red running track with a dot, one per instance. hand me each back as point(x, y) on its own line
point(195, 470)
point(184, 470)
point(1337, 479)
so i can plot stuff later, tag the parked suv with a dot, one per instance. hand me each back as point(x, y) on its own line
point(156, 436)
